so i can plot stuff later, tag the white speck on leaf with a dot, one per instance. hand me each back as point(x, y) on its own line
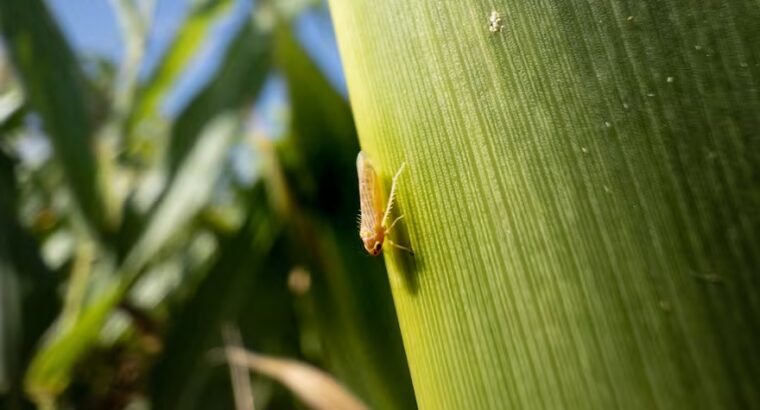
point(495, 22)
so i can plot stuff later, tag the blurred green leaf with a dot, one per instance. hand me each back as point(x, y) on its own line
point(55, 88)
point(178, 377)
point(10, 319)
point(189, 191)
point(323, 136)
point(289, 10)
point(234, 87)
point(246, 62)
point(10, 306)
point(187, 41)
point(27, 292)
point(50, 371)
point(12, 110)
point(199, 146)
point(134, 18)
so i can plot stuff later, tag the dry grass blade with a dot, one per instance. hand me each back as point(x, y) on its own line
point(241, 382)
point(315, 388)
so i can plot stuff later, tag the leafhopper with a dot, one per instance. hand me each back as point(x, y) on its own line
point(373, 220)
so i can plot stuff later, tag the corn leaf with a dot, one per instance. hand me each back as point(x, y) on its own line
point(580, 192)
point(189, 191)
point(235, 86)
point(185, 45)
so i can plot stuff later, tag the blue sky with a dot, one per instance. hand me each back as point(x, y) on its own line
point(91, 28)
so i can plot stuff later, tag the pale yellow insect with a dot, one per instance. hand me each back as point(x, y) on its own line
point(373, 224)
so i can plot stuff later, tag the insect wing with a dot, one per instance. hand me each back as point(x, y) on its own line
point(370, 196)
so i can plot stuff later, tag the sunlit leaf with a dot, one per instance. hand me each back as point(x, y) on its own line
point(577, 174)
point(186, 43)
point(190, 189)
point(234, 87)
point(50, 371)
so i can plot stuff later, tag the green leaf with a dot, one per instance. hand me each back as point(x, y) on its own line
point(10, 308)
point(55, 88)
point(189, 191)
point(235, 87)
point(323, 133)
point(27, 292)
point(194, 155)
point(178, 377)
point(134, 22)
point(185, 45)
point(580, 192)
point(50, 371)
point(12, 111)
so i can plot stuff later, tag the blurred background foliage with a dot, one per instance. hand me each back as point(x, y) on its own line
point(130, 233)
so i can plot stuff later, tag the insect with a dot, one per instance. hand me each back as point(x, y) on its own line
point(494, 22)
point(373, 223)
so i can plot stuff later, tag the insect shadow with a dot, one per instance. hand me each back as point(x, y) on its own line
point(407, 264)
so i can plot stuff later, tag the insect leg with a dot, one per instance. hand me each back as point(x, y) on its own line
point(391, 196)
point(388, 229)
point(395, 245)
